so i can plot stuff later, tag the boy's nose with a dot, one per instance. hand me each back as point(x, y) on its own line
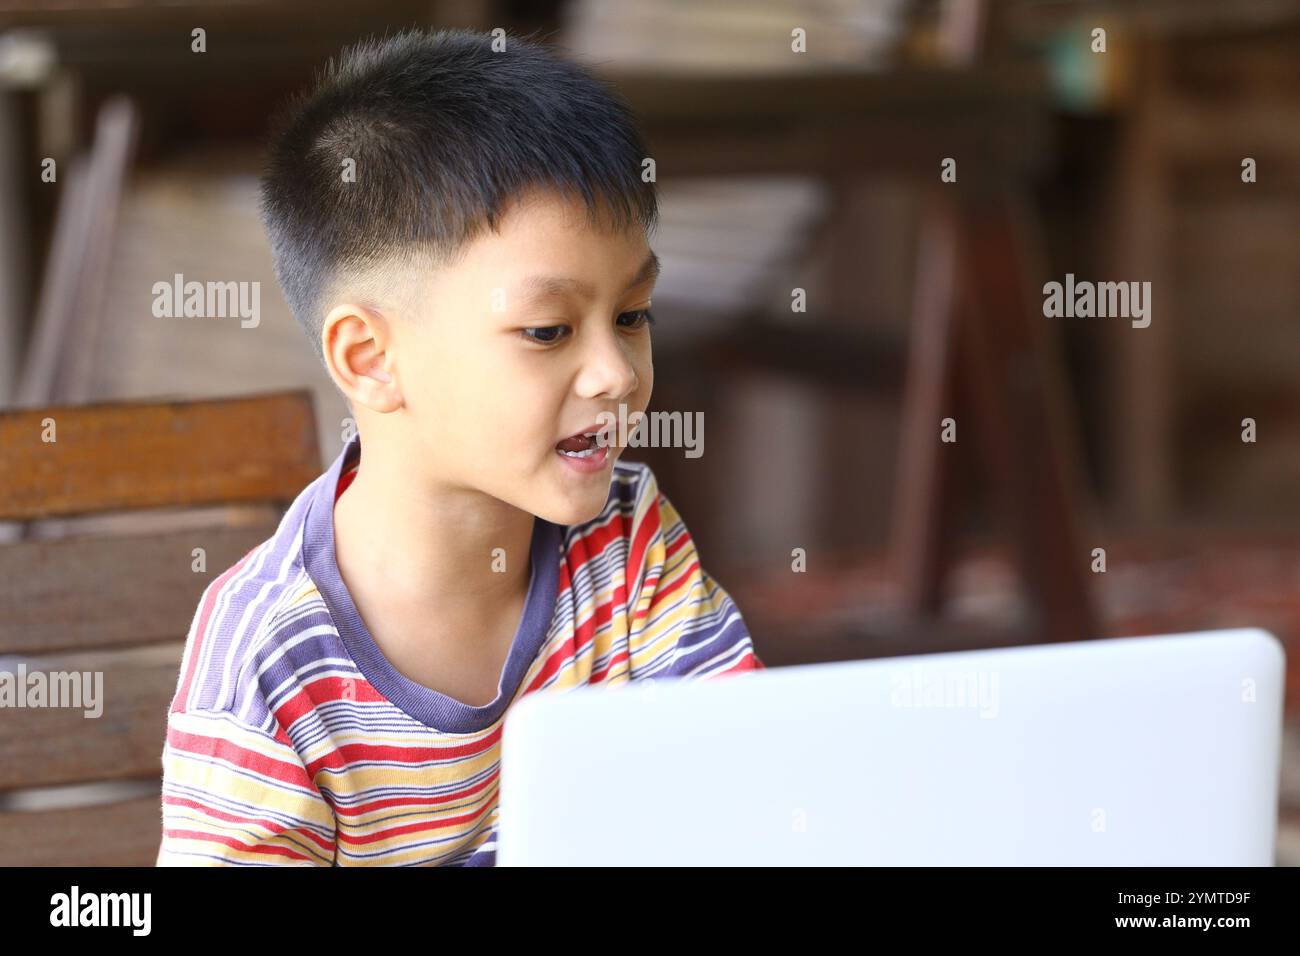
point(607, 373)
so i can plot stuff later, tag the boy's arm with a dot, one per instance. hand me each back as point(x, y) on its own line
point(236, 795)
point(683, 623)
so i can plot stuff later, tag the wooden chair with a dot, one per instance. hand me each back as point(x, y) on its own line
point(121, 604)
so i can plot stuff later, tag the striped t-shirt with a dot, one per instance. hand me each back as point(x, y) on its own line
point(292, 740)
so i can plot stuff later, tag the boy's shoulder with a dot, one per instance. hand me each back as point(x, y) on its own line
point(631, 512)
point(639, 530)
point(244, 614)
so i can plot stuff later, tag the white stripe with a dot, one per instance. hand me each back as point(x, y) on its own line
point(268, 587)
point(262, 666)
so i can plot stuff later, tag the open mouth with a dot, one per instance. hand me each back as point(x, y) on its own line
point(587, 451)
point(578, 446)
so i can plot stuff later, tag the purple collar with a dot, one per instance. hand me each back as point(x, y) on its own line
point(424, 704)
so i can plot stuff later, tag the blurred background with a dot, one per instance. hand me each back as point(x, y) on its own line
point(827, 298)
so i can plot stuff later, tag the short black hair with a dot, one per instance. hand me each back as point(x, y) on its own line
point(443, 132)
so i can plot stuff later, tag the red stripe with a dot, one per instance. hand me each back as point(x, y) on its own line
point(345, 480)
point(275, 828)
point(237, 845)
point(584, 547)
point(583, 636)
point(747, 662)
point(201, 631)
point(382, 835)
point(554, 661)
point(641, 539)
point(205, 746)
point(599, 676)
point(340, 757)
point(660, 594)
point(387, 802)
point(681, 541)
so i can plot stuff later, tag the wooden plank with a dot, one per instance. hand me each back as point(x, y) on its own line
point(92, 593)
point(928, 96)
point(116, 130)
point(147, 455)
point(921, 536)
point(837, 122)
point(826, 353)
point(58, 294)
point(1175, 18)
point(51, 746)
point(1019, 399)
point(74, 292)
point(899, 635)
point(1144, 478)
point(125, 833)
point(15, 255)
point(820, 148)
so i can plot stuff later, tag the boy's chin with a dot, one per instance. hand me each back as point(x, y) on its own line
point(571, 510)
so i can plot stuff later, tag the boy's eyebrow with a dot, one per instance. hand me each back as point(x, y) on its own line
point(539, 287)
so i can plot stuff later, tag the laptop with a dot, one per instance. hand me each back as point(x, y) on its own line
point(1139, 751)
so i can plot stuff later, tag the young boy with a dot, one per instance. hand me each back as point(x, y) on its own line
point(463, 235)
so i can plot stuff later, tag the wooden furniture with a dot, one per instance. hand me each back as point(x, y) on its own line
point(975, 349)
point(980, 352)
point(980, 357)
point(120, 605)
point(63, 340)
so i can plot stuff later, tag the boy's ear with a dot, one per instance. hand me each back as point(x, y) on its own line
point(355, 341)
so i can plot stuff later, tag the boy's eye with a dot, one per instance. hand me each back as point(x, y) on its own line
point(550, 334)
point(639, 318)
point(545, 335)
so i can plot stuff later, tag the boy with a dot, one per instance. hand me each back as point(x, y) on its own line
point(463, 235)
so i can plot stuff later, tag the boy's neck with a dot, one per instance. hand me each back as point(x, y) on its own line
point(431, 550)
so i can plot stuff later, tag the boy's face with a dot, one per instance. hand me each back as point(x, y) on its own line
point(521, 344)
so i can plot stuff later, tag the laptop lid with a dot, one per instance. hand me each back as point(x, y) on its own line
point(1132, 751)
